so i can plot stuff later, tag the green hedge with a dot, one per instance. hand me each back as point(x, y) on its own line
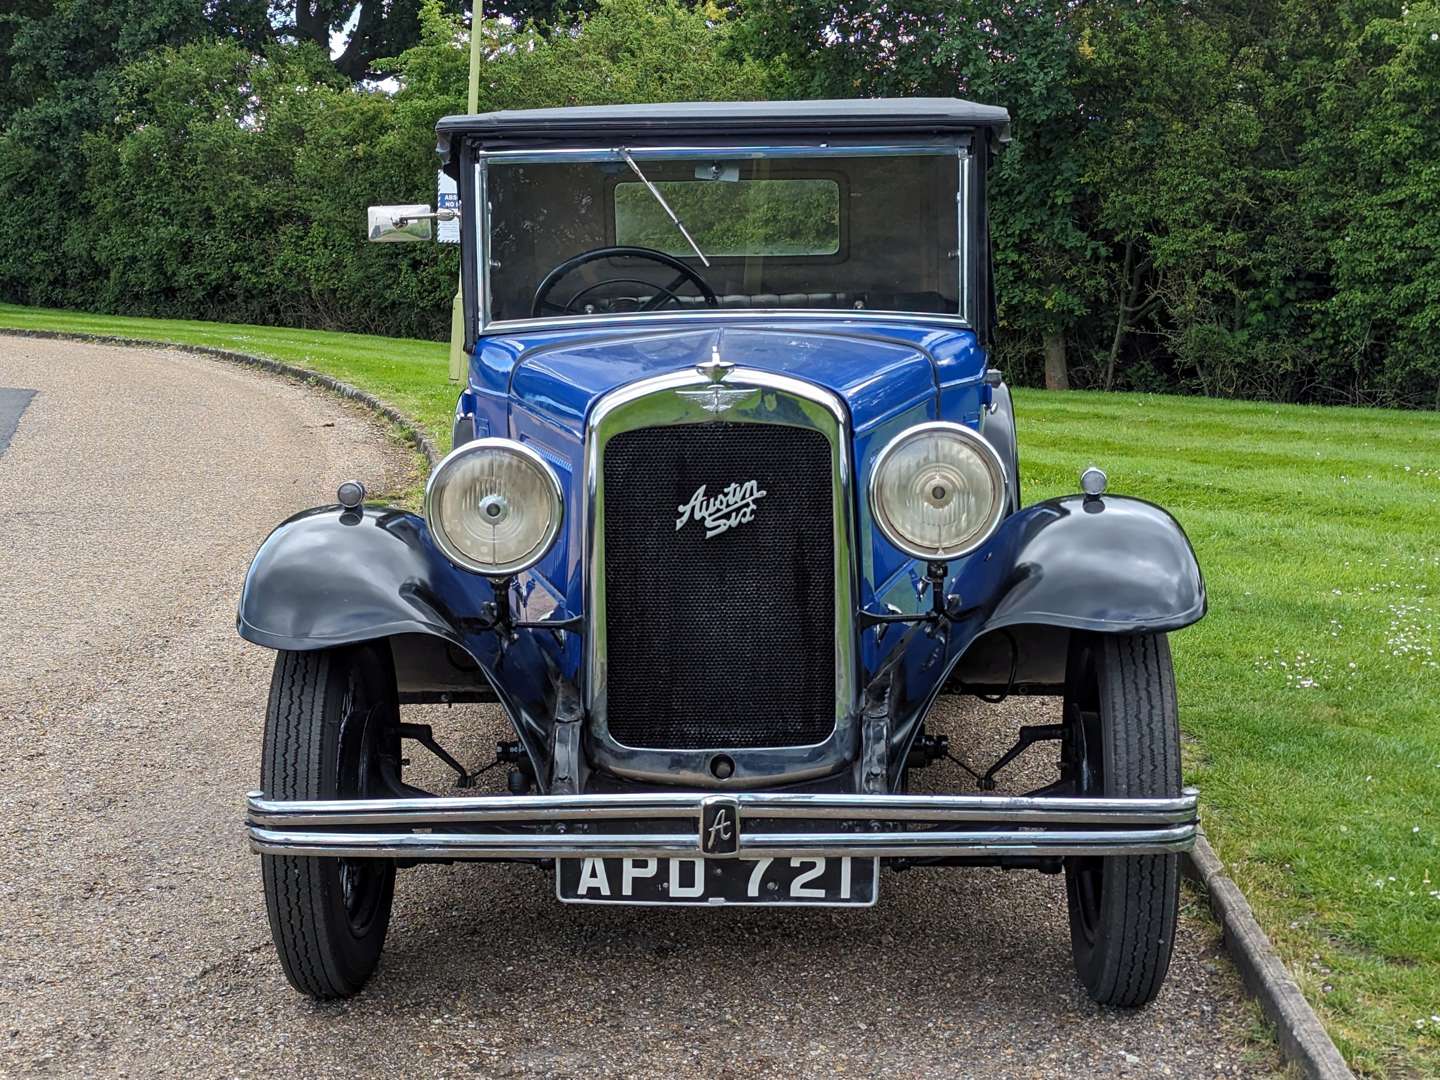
point(1234, 201)
point(230, 185)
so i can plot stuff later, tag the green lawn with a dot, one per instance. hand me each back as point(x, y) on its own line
point(1311, 692)
point(1310, 695)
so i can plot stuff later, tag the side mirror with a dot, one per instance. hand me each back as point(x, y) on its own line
point(404, 224)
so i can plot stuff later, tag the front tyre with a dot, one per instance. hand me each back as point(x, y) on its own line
point(1123, 740)
point(331, 723)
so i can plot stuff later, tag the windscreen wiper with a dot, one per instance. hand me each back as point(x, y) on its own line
point(663, 204)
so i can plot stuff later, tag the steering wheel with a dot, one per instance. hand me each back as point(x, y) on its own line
point(664, 294)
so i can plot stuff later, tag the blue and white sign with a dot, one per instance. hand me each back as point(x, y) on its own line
point(448, 198)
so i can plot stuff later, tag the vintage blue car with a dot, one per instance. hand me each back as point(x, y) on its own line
point(733, 499)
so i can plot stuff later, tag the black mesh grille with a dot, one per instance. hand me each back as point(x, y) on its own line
point(725, 641)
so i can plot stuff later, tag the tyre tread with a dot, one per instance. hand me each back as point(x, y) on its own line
point(1142, 758)
point(292, 768)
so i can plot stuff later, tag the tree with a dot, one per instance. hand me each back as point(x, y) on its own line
point(375, 30)
point(227, 182)
point(61, 66)
point(1025, 56)
point(624, 51)
point(16, 92)
point(372, 30)
point(1374, 161)
point(1231, 197)
point(1235, 197)
point(54, 46)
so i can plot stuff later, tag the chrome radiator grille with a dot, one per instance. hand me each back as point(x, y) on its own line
point(720, 586)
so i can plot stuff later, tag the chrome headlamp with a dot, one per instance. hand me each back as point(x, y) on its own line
point(937, 490)
point(494, 506)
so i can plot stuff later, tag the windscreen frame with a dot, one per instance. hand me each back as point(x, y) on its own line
point(968, 218)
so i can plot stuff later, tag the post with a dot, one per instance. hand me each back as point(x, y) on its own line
point(457, 306)
point(477, 23)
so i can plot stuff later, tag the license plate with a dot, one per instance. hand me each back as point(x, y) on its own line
point(816, 882)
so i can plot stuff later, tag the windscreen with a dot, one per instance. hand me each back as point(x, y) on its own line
point(636, 233)
point(736, 219)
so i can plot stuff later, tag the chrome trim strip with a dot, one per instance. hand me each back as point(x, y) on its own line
point(942, 844)
point(655, 403)
point(754, 846)
point(999, 825)
point(468, 845)
point(962, 216)
point(445, 811)
point(482, 246)
point(723, 315)
point(688, 805)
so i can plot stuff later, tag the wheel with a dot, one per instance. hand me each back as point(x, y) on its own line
point(331, 721)
point(1123, 738)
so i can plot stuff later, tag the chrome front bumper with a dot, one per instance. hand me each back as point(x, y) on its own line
point(768, 825)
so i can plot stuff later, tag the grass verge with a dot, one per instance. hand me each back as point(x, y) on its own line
point(1310, 695)
point(408, 374)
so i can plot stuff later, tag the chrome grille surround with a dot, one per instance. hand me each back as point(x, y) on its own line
point(655, 403)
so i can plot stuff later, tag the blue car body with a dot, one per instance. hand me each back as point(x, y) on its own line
point(730, 505)
point(1108, 564)
point(1001, 617)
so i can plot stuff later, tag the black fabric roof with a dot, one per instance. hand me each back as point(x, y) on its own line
point(728, 119)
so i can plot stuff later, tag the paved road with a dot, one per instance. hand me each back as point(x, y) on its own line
point(132, 935)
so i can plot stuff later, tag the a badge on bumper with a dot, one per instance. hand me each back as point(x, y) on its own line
point(719, 826)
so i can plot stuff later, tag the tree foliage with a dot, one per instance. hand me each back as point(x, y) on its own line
point(1207, 195)
point(1377, 142)
point(371, 30)
point(219, 180)
point(1221, 197)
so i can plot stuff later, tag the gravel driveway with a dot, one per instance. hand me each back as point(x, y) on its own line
point(133, 939)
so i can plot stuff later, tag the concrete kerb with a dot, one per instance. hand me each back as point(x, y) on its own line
point(1302, 1038)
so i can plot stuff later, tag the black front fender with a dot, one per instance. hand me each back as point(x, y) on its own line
point(327, 578)
point(1109, 563)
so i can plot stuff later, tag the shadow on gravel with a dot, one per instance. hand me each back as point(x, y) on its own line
point(12, 407)
point(951, 973)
